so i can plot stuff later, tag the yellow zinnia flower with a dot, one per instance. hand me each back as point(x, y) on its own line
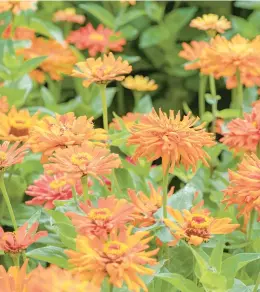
point(139, 83)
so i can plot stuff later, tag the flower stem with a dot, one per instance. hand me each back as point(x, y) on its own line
point(137, 96)
point(7, 201)
point(16, 259)
point(165, 192)
point(110, 287)
point(250, 228)
point(84, 181)
point(213, 92)
point(104, 105)
point(239, 93)
point(202, 91)
point(120, 99)
point(257, 283)
point(74, 193)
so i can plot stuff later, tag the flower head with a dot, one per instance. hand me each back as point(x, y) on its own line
point(4, 106)
point(131, 2)
point(99, 40)
point(15, 125)
point(246, 79)
point(244, 188)
point(121, 258)
point(139, 83)
point(11, 155)
point(172, 139)
point(128, 121)
point(197, 226)
point(20, 33)
point(212, 23)
point(38, 76)
point(193, 53)
point(78, 161)
point(16, 6)
point(19, 240)
point(68, 15)
point(102, 71)
point(110, 213)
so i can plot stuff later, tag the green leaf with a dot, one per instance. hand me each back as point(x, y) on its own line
point(213, 281)
point(216, 255)
point(254, 19)
point(153, 35)
point(239, 286)
point(131, 15)
point(50, 254)
point(154, 10)
point(144, 105)
point(129, 32)
point(228, 113)
point(243, 27)
point(103, 15)
point(34, 218)
point(48, 98)
point(247, 4)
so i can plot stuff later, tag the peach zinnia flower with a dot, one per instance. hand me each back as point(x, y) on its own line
point(128, 121)
point(38, 76)
point(99, 40)
point(102, 71)
point(121, 258)
point(172, 139)
point(192, 52)
point(60, 59)
point(247, 79)
point(47, 189)
point(139, 83)
point(131, 2)
point(4, 106)
point(16, 6)
point(20, 33)
point(197, 226)
point(211, 22)
point(146, 206)
point(110, 213)
point(52, 133)
point(68, 15)
point(19, 240)
point(11, 155)
point(244, 188)
point(15, 125)
point(78, 161)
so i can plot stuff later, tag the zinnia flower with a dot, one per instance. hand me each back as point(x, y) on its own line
point(139, 83)
point(146, 206)
point(212, 23)
point(16, 6)
point(19, 240)
point(247, 79)
point(52, 133)
point(122, 258)
point(131, 2)
point(15, 125)
point(38, 76)
point(20, 33)
point(78, 161)
point(244, 188)
point(110, 213)
point(172, 139)
point(192, 52)
point(197, 226)
point(99, 40)
point(47, 189)
point(11, 155)
point(102, 71)
point(4, 106)
point(128, 121)
point(68, 15)
point(60, 59)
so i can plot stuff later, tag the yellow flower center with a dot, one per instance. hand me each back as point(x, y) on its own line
point(199, 221)
point(70, 11)
point(81, 158)
point(100, 214)
point(254, 124)
point(57, 183)
point(3, 156)
point(115, 248)
point(96, 37)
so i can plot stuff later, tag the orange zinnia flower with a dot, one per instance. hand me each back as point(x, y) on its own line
point(20, 33)
point(100, 40)
point(4, 106)
point(246, 79)
point(172, 139)
point(139, 83)
point(52, 133)
point(193, 53)
point(47, 189)
point(60, 59)
point(102, 71)
point(16, 6)
point(78, 161)
point(19, 240)
point(121, 258)
point(146, 206)
point(244, 134)
point(15, 125)
point(244, 188)
point(68, 15)
point(128, 121)
point(99, 221)
point(11, 155)
point(197, 226)
point(38, 76)
point(131, 2)
point(212, 23)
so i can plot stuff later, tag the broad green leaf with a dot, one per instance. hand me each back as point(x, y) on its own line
point(247, 4)
point(213, 281)
point(254, 19)
point(216, 255)
point(34, 218)
point(243, 27)
point(144, 105)
point(154, 10)
point(239, 286)
point(129, 32)
point(153, 35)
point(131, 15)
point(47, 96)
point(228, 113)
point(12, 94)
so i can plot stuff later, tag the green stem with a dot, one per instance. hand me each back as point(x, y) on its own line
point(7, 201)
point(202, 91)
point(257, 283)
point(234, 98)
point(213, 92)
point(115, 186)
point(16, 259)
point(104, 105)
point(250, 228)
point(165, 192)
point(239, 93)
point(84, 181)
point(120, 99)
point(137, 97)
point(75, 196)
point(110, 287)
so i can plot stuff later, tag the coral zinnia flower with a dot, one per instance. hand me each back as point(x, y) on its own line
point(4, 106)
point(139, 83)
point(197, 226)
point(146, 206)
point(99, 221)
point(47, 189)
point(78, 161)
point(52, 133)
point(68, 15)
point(211, 22)
point(244, 188)
point(128, 121)
point(60, 59)
point(244, 134)
point(19, 240)
point(122, 258)
point(11, 155)
point(223, 57)
point(102, 71)
point(172, 139)
point(20, 33)
point(16, 124)
point(247, 79)
point(192, 53)
point(100, 40)
point(16, 6)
